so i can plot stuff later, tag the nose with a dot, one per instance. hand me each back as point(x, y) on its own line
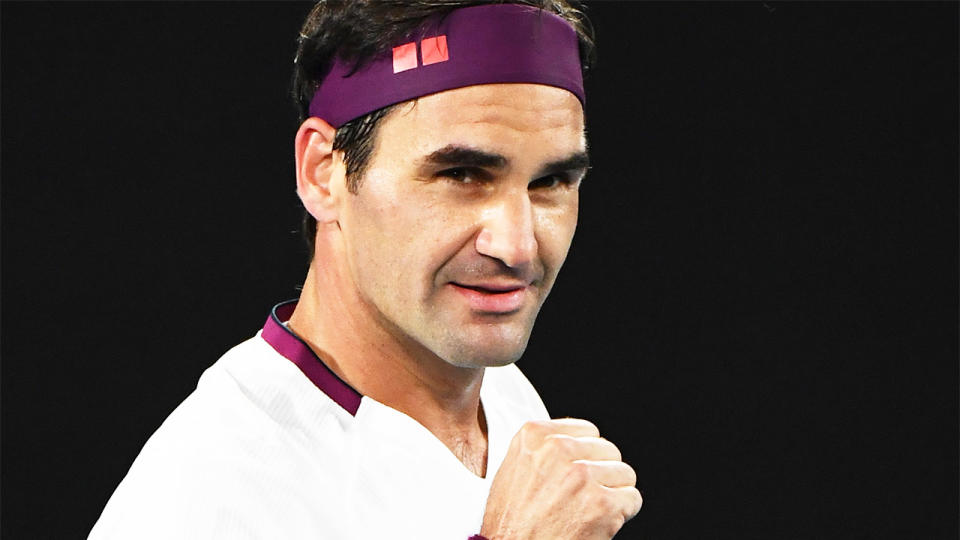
point(507, 231)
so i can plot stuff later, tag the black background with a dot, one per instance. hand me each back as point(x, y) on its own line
point(760, 306)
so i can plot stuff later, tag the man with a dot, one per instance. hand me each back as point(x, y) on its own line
point(438, 159)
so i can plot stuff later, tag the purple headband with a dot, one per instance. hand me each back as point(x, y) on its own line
point(497, 43)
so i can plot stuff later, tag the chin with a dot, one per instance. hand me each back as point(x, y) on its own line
point(484, 361)
point(479, 344)
point(491, 353)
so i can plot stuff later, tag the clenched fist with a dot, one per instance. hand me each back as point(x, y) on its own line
point(560, 480)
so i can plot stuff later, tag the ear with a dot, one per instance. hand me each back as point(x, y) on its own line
point(320, 171)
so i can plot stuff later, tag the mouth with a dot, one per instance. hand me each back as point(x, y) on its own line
point(493, 298)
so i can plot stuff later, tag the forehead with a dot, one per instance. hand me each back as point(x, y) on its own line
point(506, 118)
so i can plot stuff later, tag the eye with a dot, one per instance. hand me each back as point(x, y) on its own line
point(462, 175)
point(551, 182)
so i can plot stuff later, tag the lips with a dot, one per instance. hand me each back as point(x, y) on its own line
point(493, 297)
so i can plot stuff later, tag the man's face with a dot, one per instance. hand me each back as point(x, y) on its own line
point(464, 217)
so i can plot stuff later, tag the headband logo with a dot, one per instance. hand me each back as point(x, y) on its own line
point(432, 49)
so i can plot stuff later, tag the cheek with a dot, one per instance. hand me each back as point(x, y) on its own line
point(555, 229)
point(375, 230)
point(402, 234)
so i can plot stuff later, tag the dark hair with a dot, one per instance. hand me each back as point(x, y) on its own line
point(358, 30)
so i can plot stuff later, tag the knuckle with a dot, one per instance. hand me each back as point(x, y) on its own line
point(537, 426)
point(630, 474)
point(580, 423)
point(579, 473)
point(614, 524)
point(532, 432)
point(559, 445)
point(599, 501)
point(588, 425)
point(614, 450)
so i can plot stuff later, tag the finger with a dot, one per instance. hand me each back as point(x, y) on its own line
point(627, 499)
point(574, 448)
point(611, 474)
point(575, 427)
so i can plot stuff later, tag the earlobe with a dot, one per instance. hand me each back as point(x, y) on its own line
point(319, 170)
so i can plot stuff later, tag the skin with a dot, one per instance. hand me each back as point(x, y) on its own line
point(437, 266)
point(417, 227)
point(382, 300)
point(560, 479)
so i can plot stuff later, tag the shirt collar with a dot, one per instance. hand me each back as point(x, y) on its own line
point(291, 347)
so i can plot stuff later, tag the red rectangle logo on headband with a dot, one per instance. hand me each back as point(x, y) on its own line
point(404, 57)
point(434, 49)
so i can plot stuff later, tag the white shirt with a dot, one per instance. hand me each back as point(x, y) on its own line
point(272, 445)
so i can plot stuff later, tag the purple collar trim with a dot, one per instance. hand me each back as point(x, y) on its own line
point(496, 43)
point(294, 349)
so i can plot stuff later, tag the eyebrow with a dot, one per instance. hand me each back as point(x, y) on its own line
point(464, 156)
point(578, 161)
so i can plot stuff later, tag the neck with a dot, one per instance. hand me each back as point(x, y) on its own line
point(353, 341)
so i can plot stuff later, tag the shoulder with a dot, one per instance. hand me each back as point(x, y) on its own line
point(251, 395)
point(229, 458)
